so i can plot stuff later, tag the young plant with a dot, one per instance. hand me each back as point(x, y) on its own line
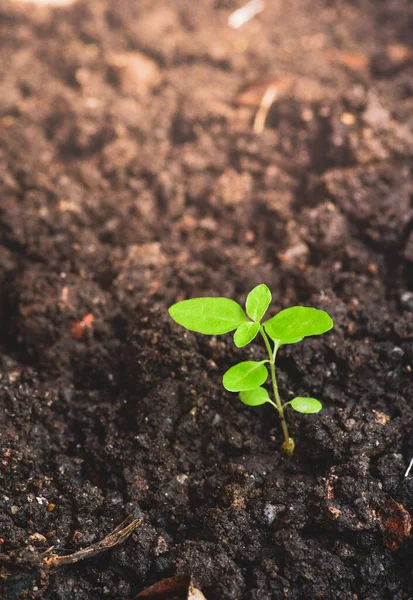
point(213, 316)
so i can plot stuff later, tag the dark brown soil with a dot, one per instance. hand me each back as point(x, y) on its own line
point(131, 181)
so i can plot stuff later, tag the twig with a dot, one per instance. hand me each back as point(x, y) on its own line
point(409, 468)
point(267, 101)
point(244, 14)
point(114, 538)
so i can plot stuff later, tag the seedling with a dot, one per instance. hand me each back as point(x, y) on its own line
point(213, 316)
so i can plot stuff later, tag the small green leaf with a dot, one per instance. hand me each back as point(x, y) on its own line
point(210, 316)
point(245, 333)
point(306, 405)
point(255, 397)
point(258, 300)
point(245, 376)
point(293, 324)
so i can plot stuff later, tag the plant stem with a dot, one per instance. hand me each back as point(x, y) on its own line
point(288, 445)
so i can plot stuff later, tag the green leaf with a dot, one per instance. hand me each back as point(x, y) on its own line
point(306, 405)
point(258, 300)
point(255, 397)
point(245, 333)
point(210, 316)
point(245, 376)
point(293, 324)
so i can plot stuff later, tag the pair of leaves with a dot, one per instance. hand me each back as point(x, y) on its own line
point(213, 316)
point(259, 395)
point(258, 300)
point(248, 377)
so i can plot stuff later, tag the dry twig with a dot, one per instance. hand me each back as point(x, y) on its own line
point(244, 14)
point(267, 101)
point(114, 538)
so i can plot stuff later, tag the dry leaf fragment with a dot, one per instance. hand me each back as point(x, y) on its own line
point(78, 328)
point(166, 588)
point(253, 94)
point(179, 587)
point(194, 593)
point(395, 524)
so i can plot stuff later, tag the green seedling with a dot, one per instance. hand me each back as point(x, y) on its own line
point(213, 316)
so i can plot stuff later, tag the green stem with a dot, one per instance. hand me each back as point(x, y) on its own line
point(288, 445)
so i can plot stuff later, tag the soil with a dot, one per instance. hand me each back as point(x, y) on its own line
point(132, 177)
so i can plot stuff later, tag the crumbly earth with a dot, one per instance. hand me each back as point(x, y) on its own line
point(132, 177)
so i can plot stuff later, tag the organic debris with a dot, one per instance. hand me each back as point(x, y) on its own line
point(244, 14)
point(395, 523)
point(409, 468)
point(79, 327)
point(268, 99)
point(179, 587)
point(262, 94)
point(50, 561)
point(114, 538)
point(253, 94)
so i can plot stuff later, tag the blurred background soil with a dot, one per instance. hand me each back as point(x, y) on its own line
point(135, 172)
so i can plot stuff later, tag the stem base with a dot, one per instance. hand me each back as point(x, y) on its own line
point(288, 446)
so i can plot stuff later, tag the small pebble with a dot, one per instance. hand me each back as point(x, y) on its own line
point(217, 419)
point(160, 546)
point(181, 478)
point(348, 119)
point(407, 300)
point(271, 511)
